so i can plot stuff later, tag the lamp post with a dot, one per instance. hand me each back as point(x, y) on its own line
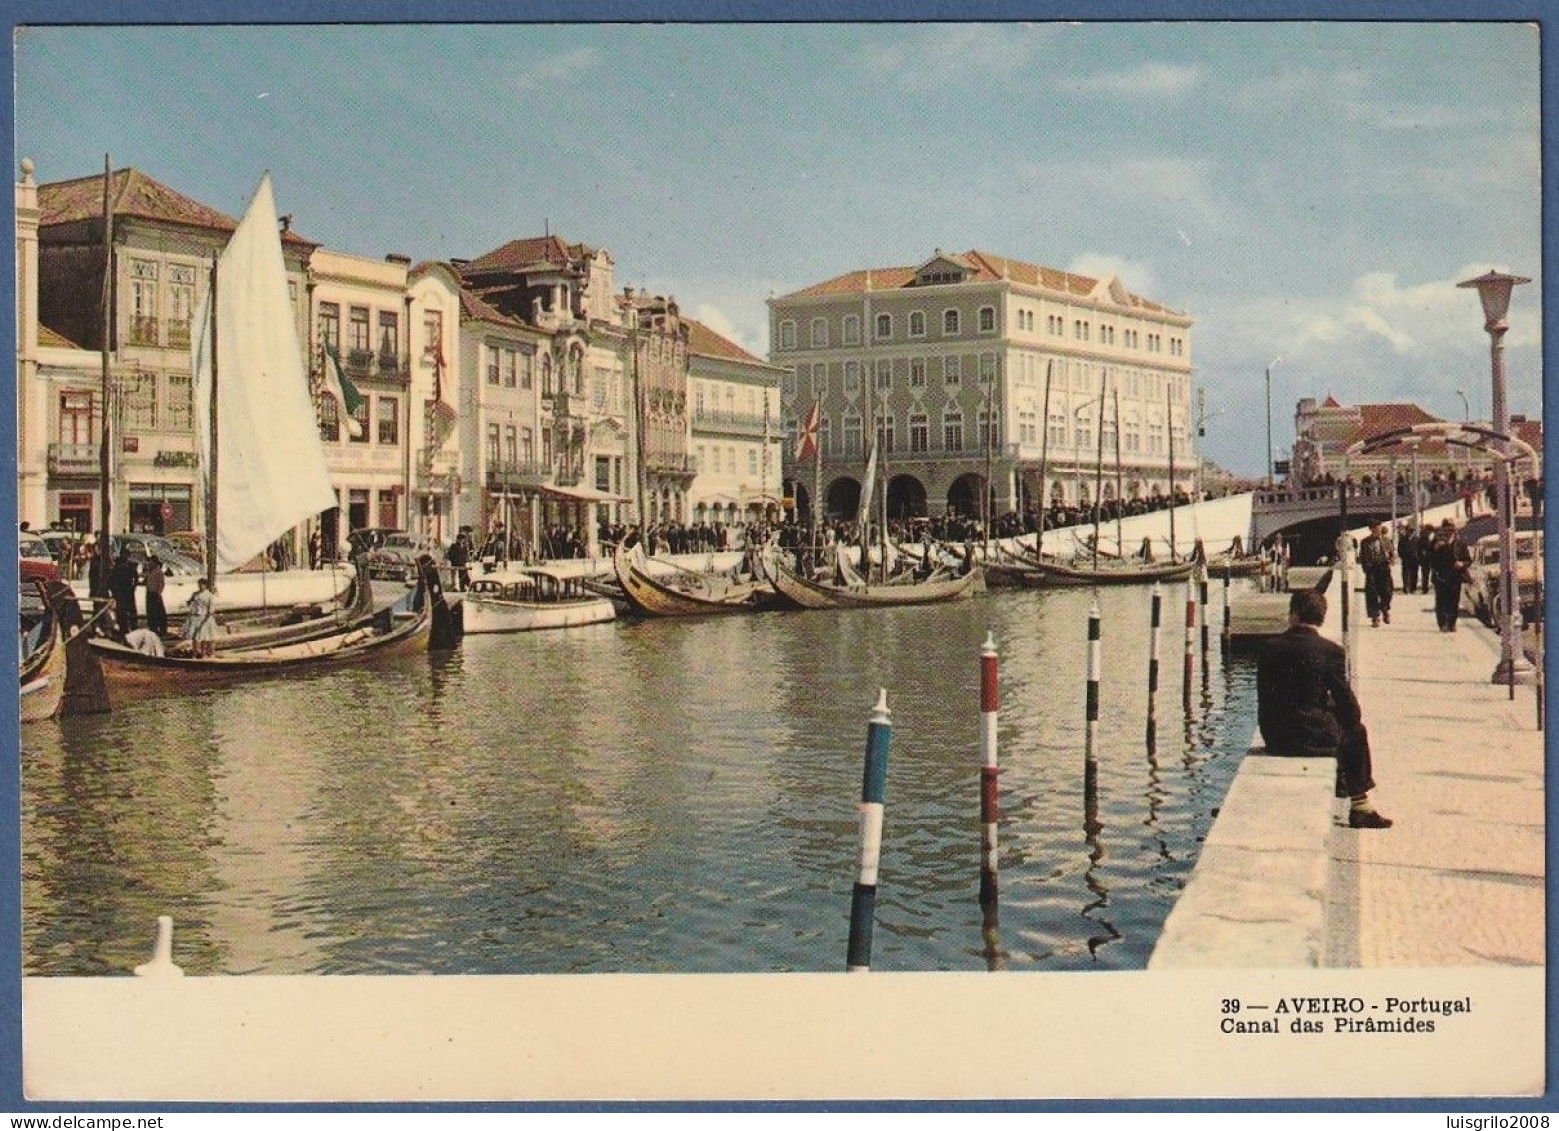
point(1494, 291)
point(1271, 365)
point(1467, 418)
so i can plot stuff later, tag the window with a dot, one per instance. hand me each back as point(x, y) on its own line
point(852, 376)
point(546, 374)
point(788, 383)
point(329, 419)
point(389, 338)
point(181, 303)
point(143, 302)
point(885, 434)
point(752, 461)
point(884, 373)
point(953, 432)
point(852, 435)
point(950, 370)
point(511, 445)
point(492, 365)
point(1083, 437)
point(358, 329)
point(987, 368)
point(917, 373)
point(181, 403)
point(511, 369)
point(329, 326)
point(885, 325)
point(819, 333)
point(527, 446)
point(389, 421)
point(987, 319)
point(603, 473)
point(825, 436)
point(919, 432)
point(524, 360)
point(987, 439)
point(138, 400)
point(787, 335)
point(917, 324)
point(852, 330)
point(76, 418)
point(950, 322)
point(492, 446)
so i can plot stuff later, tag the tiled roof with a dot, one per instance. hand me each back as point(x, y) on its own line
point(528, 253)
point(986, 268)
point(1377, 419)
point(133, 193)
point(49, 339)
point(1330, 402)
point(1529, 431)
point(473, 306)
point(702, 340)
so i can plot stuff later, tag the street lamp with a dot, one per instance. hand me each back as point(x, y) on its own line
point(1494, 291)
point(1271, 365)
point(1466, 418)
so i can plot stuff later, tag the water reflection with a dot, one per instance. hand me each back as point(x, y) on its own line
point(658, 796)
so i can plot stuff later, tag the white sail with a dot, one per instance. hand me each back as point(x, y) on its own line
point(868, 488)
point(271, 472)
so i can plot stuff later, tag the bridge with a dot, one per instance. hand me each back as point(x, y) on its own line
point(1310, 517)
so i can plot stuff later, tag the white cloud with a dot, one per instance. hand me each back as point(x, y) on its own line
point(581, 61)
point(939, 54)
point(1138, 277)
point(1351, 96)
point(1150, 80)
point(1178, 187)
point(750, 336)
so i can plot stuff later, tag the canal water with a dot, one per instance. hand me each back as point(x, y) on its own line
point(653, 796)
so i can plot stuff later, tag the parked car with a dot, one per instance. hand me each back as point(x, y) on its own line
point(367, 538)
point(36, 560)
point(1484, 593)
point(140, 546)
point(396, 556)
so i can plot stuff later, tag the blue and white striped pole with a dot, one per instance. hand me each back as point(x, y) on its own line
point(989, 814)
point(874, 782)
point(1155, 623)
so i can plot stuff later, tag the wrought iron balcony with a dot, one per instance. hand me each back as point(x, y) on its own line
point(73, 459)
point(144, 330)
point(505, 475)
point(737, 423)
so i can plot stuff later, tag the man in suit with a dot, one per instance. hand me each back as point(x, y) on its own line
point(1306, 709)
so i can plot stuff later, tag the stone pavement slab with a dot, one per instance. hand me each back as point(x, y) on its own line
point(1459, 879)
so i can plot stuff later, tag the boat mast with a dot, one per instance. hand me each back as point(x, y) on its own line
point(1169, 421)
point(1098, 479)
point(1120, 496)
point(211, 469)
point(1044, 459)
point(105, 445)
point(990, 437)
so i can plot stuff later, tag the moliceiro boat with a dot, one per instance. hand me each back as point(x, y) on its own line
point(858, 594)
point(525, 601)
point(683, 593)
point(1036, 573)
point(42, 668)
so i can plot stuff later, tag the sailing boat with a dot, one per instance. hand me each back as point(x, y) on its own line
point(1034, 571)
point(261, 480)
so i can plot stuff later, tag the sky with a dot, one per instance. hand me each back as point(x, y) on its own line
point(1309, 193)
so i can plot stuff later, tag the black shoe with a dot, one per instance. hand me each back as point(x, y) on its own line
point(1367, 819)
point(1386, 617)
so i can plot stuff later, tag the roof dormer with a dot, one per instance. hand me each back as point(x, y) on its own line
point(943, 268)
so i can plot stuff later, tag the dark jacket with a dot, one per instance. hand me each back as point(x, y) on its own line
point(1304, 705)
point(1448, 561)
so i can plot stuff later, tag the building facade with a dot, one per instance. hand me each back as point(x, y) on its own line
point(158, 271)
point(360, 321)
point(657, 345)
point(436, 489)
point(952, 362)
point(737, 439)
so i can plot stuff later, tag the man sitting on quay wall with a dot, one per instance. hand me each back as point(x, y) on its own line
point(1306, 709)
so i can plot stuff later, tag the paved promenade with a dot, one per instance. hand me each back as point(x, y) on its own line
point(1459, 880)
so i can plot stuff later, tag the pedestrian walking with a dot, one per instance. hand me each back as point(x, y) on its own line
point(1448, 565)
point(1407, 550)
point(1306, 709)
point(315, 548)
point(1425, 540)
point(156, 611)
point(1375, 558)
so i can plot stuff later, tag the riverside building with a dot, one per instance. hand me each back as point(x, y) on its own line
point(947, 362)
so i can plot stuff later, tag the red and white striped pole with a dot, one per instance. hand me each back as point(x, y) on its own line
point(989, 814)
point(1201, 571)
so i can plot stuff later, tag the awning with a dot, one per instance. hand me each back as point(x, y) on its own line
point(582, 494)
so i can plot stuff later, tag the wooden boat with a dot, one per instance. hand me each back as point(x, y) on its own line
point(1225, 565)
point(393, 631)
point(1045, 573)
point(43, 671)
point(264, 629)
point(808, 594)
point(684, 594)
point(528, 600)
